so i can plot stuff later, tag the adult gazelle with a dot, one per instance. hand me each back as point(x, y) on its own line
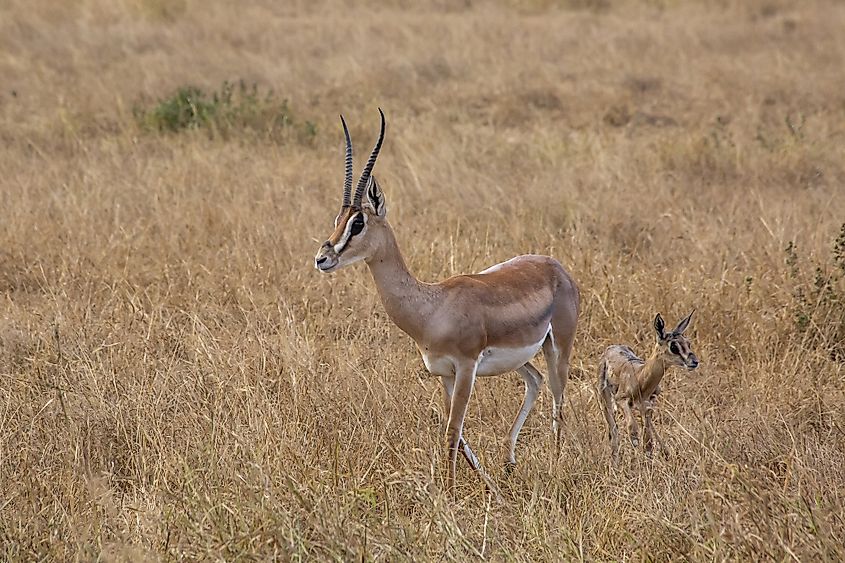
point(466, 326)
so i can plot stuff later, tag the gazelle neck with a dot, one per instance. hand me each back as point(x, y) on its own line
point(405, 298)
point(652, 372)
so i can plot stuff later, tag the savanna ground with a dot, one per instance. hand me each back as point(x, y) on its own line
point(178, 381)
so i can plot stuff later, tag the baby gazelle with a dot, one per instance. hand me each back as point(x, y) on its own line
point(632, 383)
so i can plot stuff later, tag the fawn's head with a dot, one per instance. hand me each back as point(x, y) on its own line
point(360, 225)
point(675, 347)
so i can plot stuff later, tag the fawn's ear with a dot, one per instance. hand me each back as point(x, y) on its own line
point(659, 325)
point(682, 326)
point(375, 198)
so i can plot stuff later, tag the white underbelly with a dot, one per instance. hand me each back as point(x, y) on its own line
point(496, 360)
point(438, 365)
point(493, 360)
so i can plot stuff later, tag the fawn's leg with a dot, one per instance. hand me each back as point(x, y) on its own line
point(649, 410)
point(631, 421)
point(606, 397)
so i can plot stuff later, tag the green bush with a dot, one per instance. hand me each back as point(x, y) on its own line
point(819, 302)
point(232, 110)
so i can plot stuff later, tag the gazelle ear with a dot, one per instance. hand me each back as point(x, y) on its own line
point(375, 198)
point(682, 326)
point(659, 325)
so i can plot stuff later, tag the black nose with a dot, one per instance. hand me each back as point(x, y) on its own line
point(321, 260)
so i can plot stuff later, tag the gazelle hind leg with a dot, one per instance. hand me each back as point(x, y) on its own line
point(551, 354)
point(533, 379)
point(557, 348)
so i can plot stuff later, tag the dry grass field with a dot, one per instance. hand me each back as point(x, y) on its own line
point(178, 381)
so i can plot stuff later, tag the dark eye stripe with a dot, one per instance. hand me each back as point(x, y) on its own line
point(357, 225)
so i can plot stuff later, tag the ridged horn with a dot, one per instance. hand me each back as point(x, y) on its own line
point(365, 175)
point(347, 183)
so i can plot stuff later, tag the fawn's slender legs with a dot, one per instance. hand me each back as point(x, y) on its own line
point(631, 421)
point(607, 401)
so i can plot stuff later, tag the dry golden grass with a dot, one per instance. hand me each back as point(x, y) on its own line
point(176, 380)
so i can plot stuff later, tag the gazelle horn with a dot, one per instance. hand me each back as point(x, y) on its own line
point(365, 175)
point(347, 183)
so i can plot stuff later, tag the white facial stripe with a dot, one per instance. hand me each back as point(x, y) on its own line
point(344, 240)
point(347, 234)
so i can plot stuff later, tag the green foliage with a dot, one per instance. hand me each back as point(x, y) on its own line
point(839, 249)
point(230, 111)
point(819, 304)
point(186, 109)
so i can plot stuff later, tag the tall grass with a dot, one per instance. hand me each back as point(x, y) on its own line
point(176, 380)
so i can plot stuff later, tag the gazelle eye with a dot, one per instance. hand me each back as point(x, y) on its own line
point(357, 225)
point(674, 349)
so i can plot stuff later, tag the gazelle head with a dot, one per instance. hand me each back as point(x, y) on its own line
point(359, 226)
point(674, 345)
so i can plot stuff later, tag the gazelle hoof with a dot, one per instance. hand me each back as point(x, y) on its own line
point(510, 467)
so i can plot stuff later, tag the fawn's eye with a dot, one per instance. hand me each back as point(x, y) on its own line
point(674, 349)
point(357, 225)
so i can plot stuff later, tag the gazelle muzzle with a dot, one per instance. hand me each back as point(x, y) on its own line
point(691, 361)
point(326, 259)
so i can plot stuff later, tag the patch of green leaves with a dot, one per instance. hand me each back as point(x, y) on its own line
point(819, 301)
point(232, 110)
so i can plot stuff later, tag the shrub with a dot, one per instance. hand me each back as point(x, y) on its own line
point(231, 110)
point(819, 305)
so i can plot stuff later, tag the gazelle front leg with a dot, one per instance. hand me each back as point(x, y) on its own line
point(463, 446)
point(606, 397)
point(448, 388)
point(650, 431)
point(631, 421)
point(463, 384)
